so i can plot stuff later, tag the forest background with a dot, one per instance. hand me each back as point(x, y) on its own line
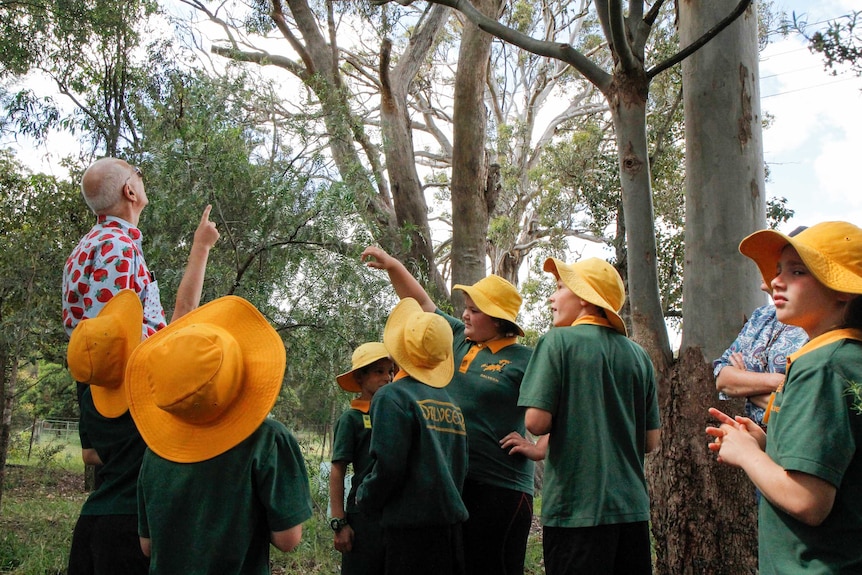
point(315, 128)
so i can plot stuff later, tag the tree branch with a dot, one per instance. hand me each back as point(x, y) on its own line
point(700, 42)
point(564, 52)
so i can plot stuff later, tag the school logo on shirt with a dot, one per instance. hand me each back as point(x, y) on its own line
point(496, 366)
point(366, 421)
point(442, 416)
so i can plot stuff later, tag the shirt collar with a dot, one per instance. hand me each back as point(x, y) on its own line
point(103, 219)
point(593, 320)
point(496, 345)
point(362, 405)
point(824, 340)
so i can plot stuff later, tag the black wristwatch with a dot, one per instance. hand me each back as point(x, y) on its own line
point(338, 523)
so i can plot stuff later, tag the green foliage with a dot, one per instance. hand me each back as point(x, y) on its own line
point(840, 43)
point(87, 49)
point(854, 392)
point(777, 211)
point(39, 217)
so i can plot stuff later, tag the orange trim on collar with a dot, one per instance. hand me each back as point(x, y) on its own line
point(816, 343)
point(363, 405)
point(593, 320)
point(825, 339)
point(494, 346)
point(400, 375)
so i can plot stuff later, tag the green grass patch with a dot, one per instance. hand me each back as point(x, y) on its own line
point(42, 499)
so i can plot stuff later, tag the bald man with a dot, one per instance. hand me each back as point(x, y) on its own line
point(110, 258)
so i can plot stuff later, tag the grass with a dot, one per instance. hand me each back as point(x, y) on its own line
point(43, 497)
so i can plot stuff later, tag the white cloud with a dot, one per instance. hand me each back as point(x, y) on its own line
point(817, 128)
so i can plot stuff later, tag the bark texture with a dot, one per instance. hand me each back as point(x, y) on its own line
point(704, 517)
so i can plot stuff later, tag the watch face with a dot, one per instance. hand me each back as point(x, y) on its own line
point(336, 524)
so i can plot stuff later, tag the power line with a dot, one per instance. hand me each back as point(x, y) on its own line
point(807, 88)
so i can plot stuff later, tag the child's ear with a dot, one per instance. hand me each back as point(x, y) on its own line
point(845, 297)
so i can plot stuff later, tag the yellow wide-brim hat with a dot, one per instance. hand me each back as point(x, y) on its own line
point(420, 343)
point(206, 382)
point(99, 349)
point(364, 355)
point(495, 297)
point(832, 252)
point(596, 281)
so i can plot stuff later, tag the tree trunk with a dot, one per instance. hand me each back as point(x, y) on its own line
point(703, 513)
point(8, 383)
point(470, 213)
point(706, 522)
point(627, 99)
point(724, 179)
point(407, 191)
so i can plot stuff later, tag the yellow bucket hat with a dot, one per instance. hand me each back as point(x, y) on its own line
point(596, 281)
point(495, 297)
point(420, 343)
point(832, 252)
point(100, 347)
point(364, 355)
point(204, 383)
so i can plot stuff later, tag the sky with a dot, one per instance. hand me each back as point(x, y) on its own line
point(812, 147)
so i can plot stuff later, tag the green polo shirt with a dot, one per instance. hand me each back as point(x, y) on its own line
point(485, 386)
point(599, 387)
point(121, 449)
point(814, 428)
point(216, 516)
point(419, 446)
point(351, 445)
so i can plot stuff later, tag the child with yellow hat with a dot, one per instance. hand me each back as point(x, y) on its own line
point(358, 536)
point(596, 389)
point(105, 539)
point(220, 481)
point(810, 475)
point(419, 447)
point(498, 491)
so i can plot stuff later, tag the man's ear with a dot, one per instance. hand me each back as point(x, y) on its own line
point(129, 192)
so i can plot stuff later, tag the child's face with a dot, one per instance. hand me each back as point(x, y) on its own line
point(801, 300)
point(375, 376)
point(565, 305)
point(478, 327)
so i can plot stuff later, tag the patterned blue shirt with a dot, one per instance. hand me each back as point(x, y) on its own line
point(764, 343)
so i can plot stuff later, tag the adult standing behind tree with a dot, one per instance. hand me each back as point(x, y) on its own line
point(498, 491)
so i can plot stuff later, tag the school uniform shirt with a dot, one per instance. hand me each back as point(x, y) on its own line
point(815, 426)
point(106, 260)
point(600, 388)
point(351, 444)
point(419, 446)
point(486, 386)
point(121, 449)
point(216, 516)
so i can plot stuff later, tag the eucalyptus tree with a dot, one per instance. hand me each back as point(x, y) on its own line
point(318, 47)
point(626, 89)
